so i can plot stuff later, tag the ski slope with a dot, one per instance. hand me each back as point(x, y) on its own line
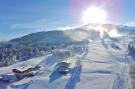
point(102, 67)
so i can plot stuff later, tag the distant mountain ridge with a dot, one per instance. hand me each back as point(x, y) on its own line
point(71, 35)
point(37, 44)
point(56, 37)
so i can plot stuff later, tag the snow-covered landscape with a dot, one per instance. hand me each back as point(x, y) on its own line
point(67, 44)
point(96, 64)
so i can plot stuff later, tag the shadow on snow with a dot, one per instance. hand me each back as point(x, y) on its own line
point(75, 77)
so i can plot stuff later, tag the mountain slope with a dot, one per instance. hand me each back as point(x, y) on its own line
point(55, 37)
point(103, 67)
point(103, 64)
point(38, 44)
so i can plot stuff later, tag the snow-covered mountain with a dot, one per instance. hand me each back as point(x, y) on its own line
point(95, 63)
point(56, 37)
point(37, 44)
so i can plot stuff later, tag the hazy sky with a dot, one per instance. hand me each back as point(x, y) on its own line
point(20, 17)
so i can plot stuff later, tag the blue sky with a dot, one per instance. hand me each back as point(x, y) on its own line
point(20, 17)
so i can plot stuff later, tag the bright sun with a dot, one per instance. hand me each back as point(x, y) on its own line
point(94, 15)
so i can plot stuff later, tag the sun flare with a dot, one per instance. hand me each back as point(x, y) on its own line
point(94, 15)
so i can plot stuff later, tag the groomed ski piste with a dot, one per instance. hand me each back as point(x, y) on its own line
point(101, 66)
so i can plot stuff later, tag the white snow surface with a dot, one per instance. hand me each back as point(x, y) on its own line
point(102, 67)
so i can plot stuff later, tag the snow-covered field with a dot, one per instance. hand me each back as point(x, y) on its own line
point(102, 67)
